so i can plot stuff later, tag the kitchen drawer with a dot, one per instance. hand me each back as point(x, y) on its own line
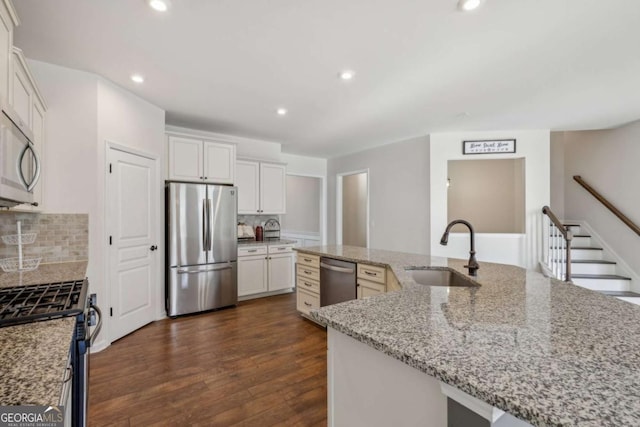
point(252, 250)
point(309, 260)
point(307, 301)
point(372, 272)
point(308, 272)
point(308, 284)
point(279, 249)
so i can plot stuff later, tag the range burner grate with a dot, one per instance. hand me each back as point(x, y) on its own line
point(25, 304)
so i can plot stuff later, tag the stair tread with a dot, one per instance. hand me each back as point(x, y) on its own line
point(587, 261)
point(599, 276)
point(586, 248)
point(621, 294)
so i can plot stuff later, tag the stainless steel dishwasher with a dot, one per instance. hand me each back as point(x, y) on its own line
point(337, 281)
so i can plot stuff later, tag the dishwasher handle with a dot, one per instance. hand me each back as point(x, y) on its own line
point(338, 269)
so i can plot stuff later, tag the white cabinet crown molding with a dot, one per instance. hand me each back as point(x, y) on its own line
point(222, 137)
point(257, 160)
point(20, 55)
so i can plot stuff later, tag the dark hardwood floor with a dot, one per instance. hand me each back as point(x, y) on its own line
point(259, 364)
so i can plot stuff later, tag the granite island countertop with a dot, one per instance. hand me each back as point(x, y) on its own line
point(34, 356)
point(548, 352)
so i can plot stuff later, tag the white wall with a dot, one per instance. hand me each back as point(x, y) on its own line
point(83, 111)
point(304, 203)
point(523, 250)
point(608, 160)
point(68, 174)
point(398, 194)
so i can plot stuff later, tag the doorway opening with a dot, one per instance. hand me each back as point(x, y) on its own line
point(352, 216)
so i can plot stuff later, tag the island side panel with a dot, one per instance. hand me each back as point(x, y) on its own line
point(368, 388)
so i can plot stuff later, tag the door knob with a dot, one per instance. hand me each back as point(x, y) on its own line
point(154, 247)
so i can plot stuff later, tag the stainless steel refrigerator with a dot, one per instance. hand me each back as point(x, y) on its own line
point(201, 247)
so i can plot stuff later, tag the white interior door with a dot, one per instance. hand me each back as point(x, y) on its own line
point(132, 220)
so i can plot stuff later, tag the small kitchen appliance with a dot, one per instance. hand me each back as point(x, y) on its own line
point(19, 161)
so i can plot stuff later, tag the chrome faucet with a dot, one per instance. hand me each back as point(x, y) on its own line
point(472, 264)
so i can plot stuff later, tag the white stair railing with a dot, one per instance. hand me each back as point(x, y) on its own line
point(557, 253)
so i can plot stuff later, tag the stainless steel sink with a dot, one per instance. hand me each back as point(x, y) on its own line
point(429, 277)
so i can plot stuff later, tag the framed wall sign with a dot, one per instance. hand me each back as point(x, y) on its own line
point(492, 146)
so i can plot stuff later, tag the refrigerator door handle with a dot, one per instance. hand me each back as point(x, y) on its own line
point(209, 237)
point(205, 221)
point(216, 268)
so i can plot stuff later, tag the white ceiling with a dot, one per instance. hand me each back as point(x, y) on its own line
point(422, 66)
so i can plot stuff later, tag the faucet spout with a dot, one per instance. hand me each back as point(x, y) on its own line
point(472, 265)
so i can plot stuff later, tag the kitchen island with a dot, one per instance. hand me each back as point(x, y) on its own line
point(544, 351)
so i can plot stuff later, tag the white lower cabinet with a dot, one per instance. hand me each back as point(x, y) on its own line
point(252, 275)
point(280, 271)
point(265, 269)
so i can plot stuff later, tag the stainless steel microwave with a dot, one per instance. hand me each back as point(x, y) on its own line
point(19, 161)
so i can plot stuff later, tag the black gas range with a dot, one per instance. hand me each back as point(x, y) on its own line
point(48, 301)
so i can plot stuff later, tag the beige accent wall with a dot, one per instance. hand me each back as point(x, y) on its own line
point(354, 209)
point(489, 193)
point(609, 161)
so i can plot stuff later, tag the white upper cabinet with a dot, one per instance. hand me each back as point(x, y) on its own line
point(273, 188)
point(248, 183)
point(219, 162)
point(194, 159)
point(8, 20)
point(261, 187)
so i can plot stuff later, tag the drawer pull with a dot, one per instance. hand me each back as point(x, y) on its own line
point(281, 249)
point(308, 304)
point(253, 250)
point(308, 284)
point(307, 259)
point(307, 272)
point(370, 273)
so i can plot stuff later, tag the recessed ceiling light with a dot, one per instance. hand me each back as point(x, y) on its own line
point(159, 5)
point(281, 111)
point(137, 78)
point(346, 74)
point(468, 5)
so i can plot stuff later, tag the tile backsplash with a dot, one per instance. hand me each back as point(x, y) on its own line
point(61, 237)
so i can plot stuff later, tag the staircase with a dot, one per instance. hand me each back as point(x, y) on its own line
point(590, 267)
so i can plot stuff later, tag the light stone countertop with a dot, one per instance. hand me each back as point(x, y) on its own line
point(34, 360)
point(45, 273)
point(548, 352)
point(265, 242)
point(33, 356)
